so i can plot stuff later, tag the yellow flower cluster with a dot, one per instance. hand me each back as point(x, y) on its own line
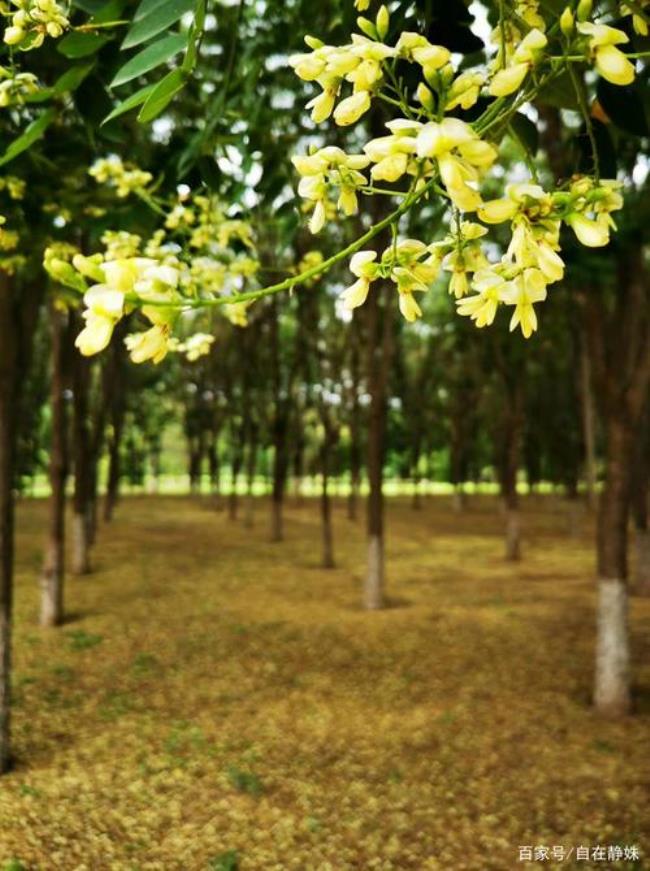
point(15, 87)
point(200, 254)
point(14, 186)
point(32, 21)
point(640, 17)
point(8, 238)
point(431, 153)
point(124, 178)
point(410, 264)
point(532, 261)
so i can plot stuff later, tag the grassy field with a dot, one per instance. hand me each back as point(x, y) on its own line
point(215, 695)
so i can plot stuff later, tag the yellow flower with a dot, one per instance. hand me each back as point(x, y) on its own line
point(497, 211)
point(528, 288)
point(104, 308)
point(415, 47)
point(150, 345)
point(322, 106)
point(508, 80)
point(362, 265)
point(592, 233)
point(464, 91)
point(482, 307)
point(352, 108)
point(409, 307)
point(610, 61)
point(461, 155)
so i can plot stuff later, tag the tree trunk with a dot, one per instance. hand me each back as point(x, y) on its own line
point(251, 464)
point(511, 448)
point(52, 578)
point(588, 425)
point(612, 680)
point(379, 354)
point(233, 497)
point(8, 407)
point(82, 471)
point(117, 416)
point(326, 508)
point(355, 423)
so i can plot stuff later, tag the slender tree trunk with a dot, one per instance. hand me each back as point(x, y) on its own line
point(8, 407)
point(278, 488)
point(612, 681)
point(619, 347)
point(588, 425)
point(416, 503)
point(640, 494)
point(53, 575)
point(233, 497)
point(513, 425)
point(355, 415)
point(326, 507)
point(280, 428)
point(251, 464)
point(82, 471)
point(114, 469)
point(379, 353)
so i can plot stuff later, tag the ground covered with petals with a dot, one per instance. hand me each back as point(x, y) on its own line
point(215, 698)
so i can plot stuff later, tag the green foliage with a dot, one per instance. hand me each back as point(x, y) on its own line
point(245, 781)
point(228, 861)
point(158, 19)
point(149, 58)
point(32, 134)
point(79, 639)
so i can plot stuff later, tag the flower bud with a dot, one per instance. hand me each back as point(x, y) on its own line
point(367, 27)
point(14, 35)
point(425, 96)
point(382, 22)
point(567, 22)
point(584, 9)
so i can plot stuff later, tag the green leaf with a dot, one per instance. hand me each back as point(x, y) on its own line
point(71, 79)
point(157, 20)
point(189, 61)
point(130, 103)
point(526, 132)
point(81, 44)
point(110, 11)
point(624, 106)
point(162, 95)
point(559, 93)
point(149, 58)
point(32, 133)
point(145, 7)
point(92, 7)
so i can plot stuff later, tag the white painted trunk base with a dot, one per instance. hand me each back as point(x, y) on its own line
point(612, 684)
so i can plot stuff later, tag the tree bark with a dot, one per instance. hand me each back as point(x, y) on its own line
point(53, 575)
point(82, 470)
point(588, 425)
point(251, 465)
point(355, 420)
point(612, 681)
point(379, 333)
point(512, 432)
point(8, 408)
point(619, 348)
point(326, 507)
